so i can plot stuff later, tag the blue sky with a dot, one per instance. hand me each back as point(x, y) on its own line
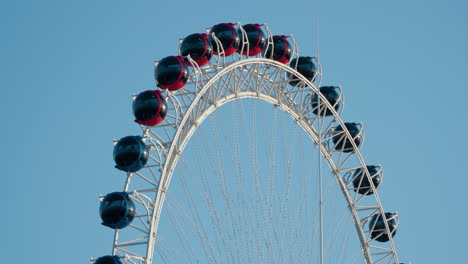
point(68, 70)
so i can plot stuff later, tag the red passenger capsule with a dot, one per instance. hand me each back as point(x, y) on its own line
point(149, 108)
point(171, 73)
point(279, 50)
point(198, 47)
point(228, 36)
point(255, 40)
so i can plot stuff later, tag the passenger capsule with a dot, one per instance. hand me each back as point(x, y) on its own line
point(341, 141)
point(305, 66)
point(228, 36)
point(198, 47)
point(361, 183)
point(280, 50)
point(130, 154)
point(377, 226)
point(149, 108)
point(332, 96)
point(171, 73)
point(108, 260)
point(255, 38)
point(117, 210)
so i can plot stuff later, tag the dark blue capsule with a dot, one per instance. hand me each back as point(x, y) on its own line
point(332, 96)
point(361, 183)
point(305, 66)
point(130, 154)
point(108, 260)
point(377, 226)
point(117, 210)
point(342, 142)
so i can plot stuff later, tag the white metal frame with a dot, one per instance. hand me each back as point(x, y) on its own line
point(212, 86)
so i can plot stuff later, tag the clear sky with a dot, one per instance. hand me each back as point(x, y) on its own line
point(68, 70)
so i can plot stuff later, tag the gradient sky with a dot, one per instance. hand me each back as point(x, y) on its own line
point(69, 68)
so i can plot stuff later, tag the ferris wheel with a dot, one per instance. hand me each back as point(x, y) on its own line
point(267, 212)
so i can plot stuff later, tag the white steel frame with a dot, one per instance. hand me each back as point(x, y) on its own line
point(208, 88)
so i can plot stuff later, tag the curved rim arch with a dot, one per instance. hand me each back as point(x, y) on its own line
point(204, 102)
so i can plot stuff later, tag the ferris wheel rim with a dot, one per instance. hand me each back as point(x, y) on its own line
point(175, 150)
point(174, 153)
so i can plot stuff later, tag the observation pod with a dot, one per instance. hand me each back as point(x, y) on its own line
point(377, 226)
point(117, 210)
point(332, 96)
point(305, 66)
point(255, 38)
point(198, 47)
point(130, 154)
point(149, 108)
point(171, 73)
point(361, 182)
point(228, 36)
point(341, 141)
point(108, 260)
point(280, 50)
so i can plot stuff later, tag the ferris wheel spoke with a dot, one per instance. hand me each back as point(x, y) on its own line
point(261, 238)
point(183, 235)
point(251, 190)
point(221, 241)
point(168, 254)
point(226, 193)
point(241, 187)
point(271, 181)
point(226, 200)
point(194, 224)
point(261, 191)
